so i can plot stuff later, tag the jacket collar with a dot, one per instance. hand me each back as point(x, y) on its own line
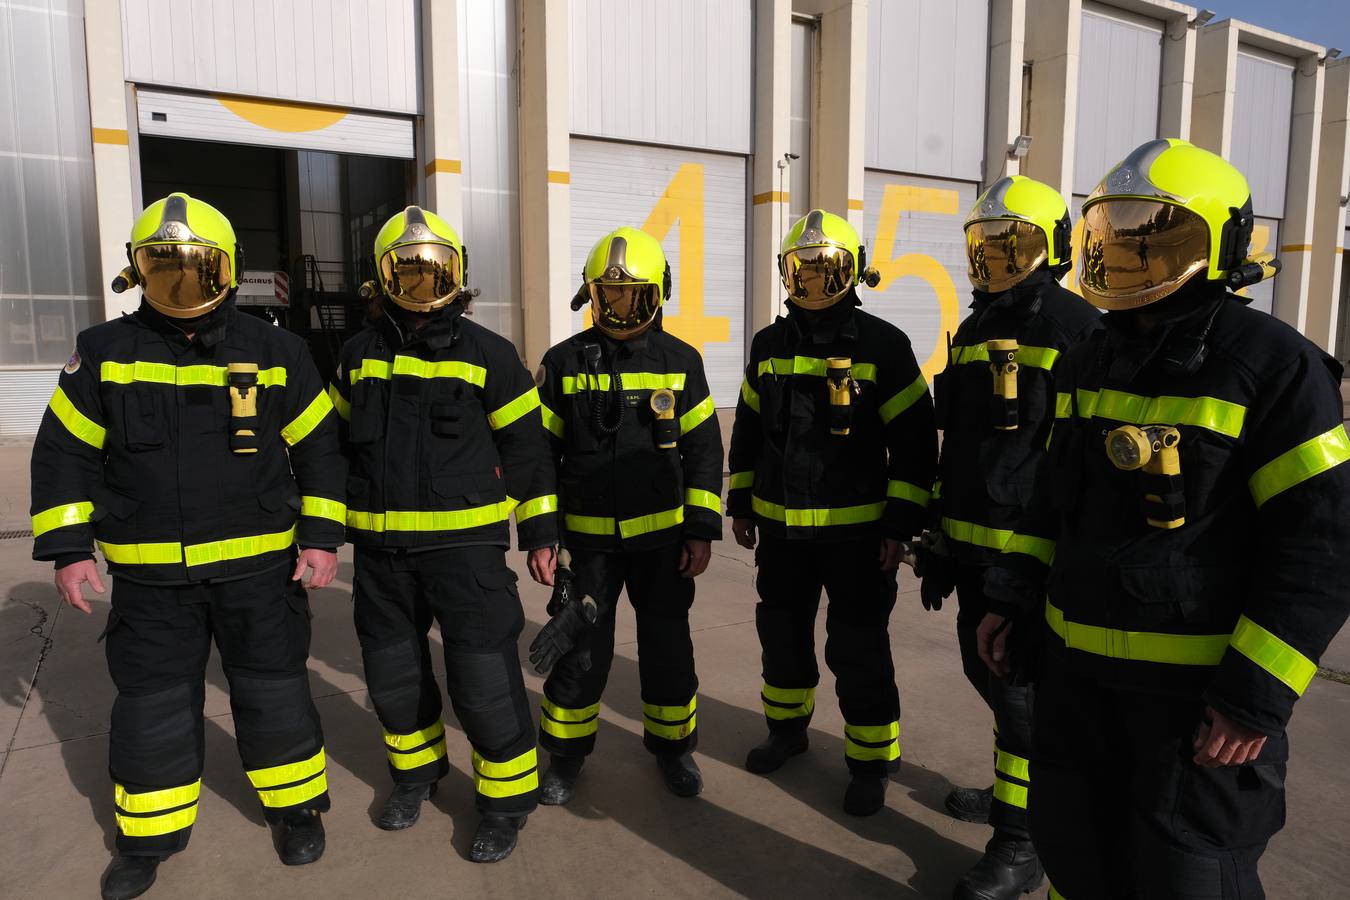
point(208, 330)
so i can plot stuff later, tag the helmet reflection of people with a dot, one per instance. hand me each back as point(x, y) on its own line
point(626, 280)
point(1015, 227)
point(821, 259)
point(419, 261)
point(1169, 213)
point(184, 255)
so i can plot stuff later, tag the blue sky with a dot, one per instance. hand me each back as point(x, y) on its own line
point(1325, 22)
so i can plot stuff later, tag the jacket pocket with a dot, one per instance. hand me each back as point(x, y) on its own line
point(358, 493)
point(471, 489)
point(370, 398)
point(1162, 596)
point(144, 421)
point(109, 503)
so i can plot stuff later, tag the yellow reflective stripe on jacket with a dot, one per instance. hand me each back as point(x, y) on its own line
point(432, 732)
point(286, 773)
point(153, 826)
point(750, 395)
point(419, 368)
point(639, 525)
point(1063, 405)
point(77, 423)
point(902, 400)
point(903, 490)
point(196, 554)
point(61, 516)
point(344, 409)
point(1009, 793)
point(505, 415)
point(1029, 356)
point(155, 801)
point(523, 763)
point(182, 376)
point(818, 518)
point(589, 524)
point(632, 381)
point(307, 421)
point(1012, 765)
point(323, 508)
point(564, 714)
point(279, 798)
point(537, 506)
point(552, 421)
point(1293, 467)
point(697, 415)
point(741, 480)
point(1035, 547)
point(1219, 416)
point(142, 554)
point(430, 520)
point(418, 758)
point(978, 535)
point(1271, 653)
point(1056, 895)
point(704, 499)
point(1140, 646)
point(809, 365)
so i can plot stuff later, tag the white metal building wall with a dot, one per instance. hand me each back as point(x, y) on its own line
point(798, 182)
point(1119, 78)
point(1262, 118)
point(663, 72)
point(926, 62)
point(1265, 239)
point(354, 53)
point(695, 202)
point(319, 190)
point(491, 164)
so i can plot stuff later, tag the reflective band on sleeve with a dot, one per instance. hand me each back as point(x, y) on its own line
point(77, 423)
point(741, 480)
point(61, 516)
point(153, 826)
point(787, 703)
point(413, 739)
point(280, 798)
point(418, 758)
point(434, 520)
point(978, 535)
point(523, 763)
point(589, 524)
point(155, 801)
point(1271, 653)
point(308, 420)
point(750, 395)
point(697, 415)
point(182, 376)
point(1009, 793)
point(1140, 646)
point(1012, 765)
point(639, 525)
point(287, 773)
point(1293, 467)
point(1031, 357)
point(807, 365)
point(903, 400)
point(419, 368)
point(903, 490)
point(505, 415)
point(632, 381)
point(536, 507)
point(323, 508)
point(1035, 547)
point(1219, 416)
point(818, 518)
point(553, 422)
point(704, 499)
point(344, 409)
point(237, 548)
point(1063, 405)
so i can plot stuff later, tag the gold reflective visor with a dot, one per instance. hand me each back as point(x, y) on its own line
point(1002, 252)
point(1136, 252)
point(623, 309)
point(817, 277)
point(183, 280)
point(422, 277)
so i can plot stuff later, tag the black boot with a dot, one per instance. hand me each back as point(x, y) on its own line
point(130, 876)
point(681, 774)
point(301, 837)
point(865, 795)
point(495, 838)
point(971, 804)
point(404, 806)
point(776, 750)
point(1008, 869)
point(560, 781)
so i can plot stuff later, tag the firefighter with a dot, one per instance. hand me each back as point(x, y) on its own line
point(441, 429)
point(196, 446)
point(1184, 559)
point(995, 403)
point(832, 458)
point(639, 464)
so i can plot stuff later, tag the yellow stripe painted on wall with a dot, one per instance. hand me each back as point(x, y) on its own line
point(854, 204)
point(771, 197)
point(110, 136)
point(556, 177)
point(277, 115)
point(1296, 248)
point(444, 167)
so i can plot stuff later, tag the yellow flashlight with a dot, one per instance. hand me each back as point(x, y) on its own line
point(839, 375)
point(1003, 365)
point(663, 404)
point(1152, 448)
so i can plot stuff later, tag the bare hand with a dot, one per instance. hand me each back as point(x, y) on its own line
point(70, 578)
point(694, 557)
point(890, 554)
point(542, 563)
point(744, 532)
point(1219, 741)
point(322, 565)
point(991, 637)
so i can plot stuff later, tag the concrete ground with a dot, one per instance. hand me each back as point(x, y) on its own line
point(624, 835)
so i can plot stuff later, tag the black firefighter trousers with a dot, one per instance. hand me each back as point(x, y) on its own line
point(789, 579)
point(158, 639)
point(471, 593)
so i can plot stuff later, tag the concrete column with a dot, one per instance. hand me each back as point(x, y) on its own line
point(443, 187)
point(1296, 231)
point(1178, 75)
point(1052, 48)
point(1216, 49)
point(773, 130)
point(1333, 184)
point(108, 116)
point(546, 279)
point(839, 126)
point(1007, 37)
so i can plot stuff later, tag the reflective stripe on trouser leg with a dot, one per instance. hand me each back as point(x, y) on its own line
point(506, 779)
point(788, 708)
point(280, 742)
point(157, 813)
point(568, 731)
point(408, 703)
point(487, 692)
point(420, 751)
point(300, 784)
point(670, 730)
point(1012, 778)
point(872, 749)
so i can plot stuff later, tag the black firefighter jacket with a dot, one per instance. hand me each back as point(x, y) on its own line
point(442, 433)
point(1239, 602)
point(617, 488)
point(789, 471)
point(134, 452)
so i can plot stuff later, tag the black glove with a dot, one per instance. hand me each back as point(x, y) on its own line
point(567, 629)
point(936, 572)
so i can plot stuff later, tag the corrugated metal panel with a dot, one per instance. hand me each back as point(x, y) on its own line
point(26, 392)
point(487, 98)
point(926, 62)
point(1265, 239)
point(914, 239)
point(245, 122)
point(1119, 78)
point(799, 141)
point(677, 73)
point(357, 53)
point(1262, 118)
point(696, 204)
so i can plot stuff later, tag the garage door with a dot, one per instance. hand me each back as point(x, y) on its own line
point(695, 204)
point(914, 239)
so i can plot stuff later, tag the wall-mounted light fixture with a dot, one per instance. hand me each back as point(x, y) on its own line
point(1019, 147)
point(1201, 18)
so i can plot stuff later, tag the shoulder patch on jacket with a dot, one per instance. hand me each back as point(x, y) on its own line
point(73, 364)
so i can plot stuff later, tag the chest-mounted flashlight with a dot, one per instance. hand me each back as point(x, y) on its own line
point(1153, 451)
point(665, 428)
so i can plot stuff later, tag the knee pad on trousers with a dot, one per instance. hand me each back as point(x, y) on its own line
point(396, 679)
point(156, 738)
point(487, 698)
point(274, 718)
